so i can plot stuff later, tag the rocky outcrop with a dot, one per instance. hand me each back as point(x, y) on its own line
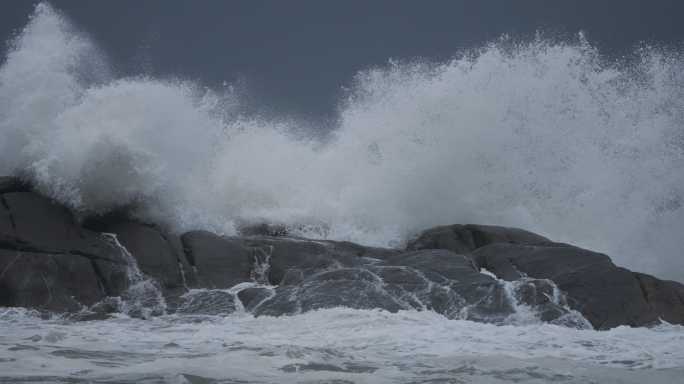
point(219, 262)
point(605, 294)
point(51, 263)
point(437, 280)
point(153, 254)
point(33, 223)
point(47, 261)
point(462, 239)
point(53, 282)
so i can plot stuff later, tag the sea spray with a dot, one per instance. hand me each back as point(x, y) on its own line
point(550, 137)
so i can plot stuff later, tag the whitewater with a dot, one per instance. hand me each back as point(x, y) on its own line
point(540, 133)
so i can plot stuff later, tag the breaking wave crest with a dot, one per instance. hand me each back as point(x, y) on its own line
point(548, 136)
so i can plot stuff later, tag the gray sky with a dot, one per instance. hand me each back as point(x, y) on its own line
point(298, 54)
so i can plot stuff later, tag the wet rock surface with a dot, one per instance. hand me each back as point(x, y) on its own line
point(459, 238)
point(605, 294)
point(33, 223)
point(154, 255)
point(219, 262)
point(49, 262)
point(56, 282)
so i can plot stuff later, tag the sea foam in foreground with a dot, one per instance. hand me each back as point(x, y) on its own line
point(331, 346)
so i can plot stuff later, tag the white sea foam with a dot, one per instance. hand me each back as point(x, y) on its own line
point(363, 346)
point(549, 137)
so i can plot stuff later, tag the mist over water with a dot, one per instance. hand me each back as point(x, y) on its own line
point(547, 136)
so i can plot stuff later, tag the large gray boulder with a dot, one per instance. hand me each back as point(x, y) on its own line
point(153, 254)
point(465, 238)
point(291, 259)
point(605, 294)
point(220, 262)
point(52, 282)
point(33, 223)
point(49, 262)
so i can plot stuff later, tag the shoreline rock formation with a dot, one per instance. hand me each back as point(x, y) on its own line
point(50, 263)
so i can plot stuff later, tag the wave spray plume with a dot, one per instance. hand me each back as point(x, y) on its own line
point(546, 136)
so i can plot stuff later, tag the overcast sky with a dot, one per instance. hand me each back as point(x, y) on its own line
point(299, 53)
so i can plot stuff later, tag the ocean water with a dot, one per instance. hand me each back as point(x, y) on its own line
point(337, 345)
point(550, 136)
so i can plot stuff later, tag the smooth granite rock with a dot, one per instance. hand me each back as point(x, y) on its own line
point(55, 282)
point(291, 259)
point(41, 226)
point(220, 262)
point(438, 280)
point(252, 297)
point(466, 238)
point(153, 254)
point(605, 294)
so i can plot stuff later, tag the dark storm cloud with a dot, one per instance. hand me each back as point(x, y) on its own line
point(299, 53)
